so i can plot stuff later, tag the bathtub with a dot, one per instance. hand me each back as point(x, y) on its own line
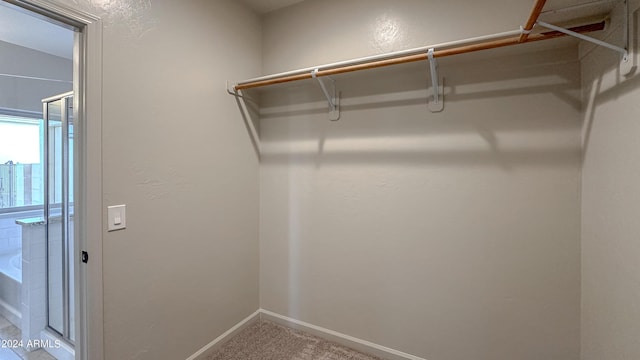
point(11, 265)
point(10, 285)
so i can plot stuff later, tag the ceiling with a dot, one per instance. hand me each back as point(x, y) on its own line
point(264, 6)
point(20, 28)
point(28, 31)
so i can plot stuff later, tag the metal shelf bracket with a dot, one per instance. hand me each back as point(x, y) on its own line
point(333, 99)
point(233, 92)
point(627, 54)
point(437, 104)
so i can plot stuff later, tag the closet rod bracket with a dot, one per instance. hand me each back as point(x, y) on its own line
point(233, 92)
point(590, 39)
point(437, 104)
point(333, 98)
point(627, 53)
point(629, 63)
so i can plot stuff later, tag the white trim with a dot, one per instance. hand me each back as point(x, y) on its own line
point(330, 335)
point(62, 352)
point(222, 339)
point(25, 77)
point(20, 113)
point(342, 339)
point(89, 300)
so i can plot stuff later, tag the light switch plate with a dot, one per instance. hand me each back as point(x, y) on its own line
point(117, 217)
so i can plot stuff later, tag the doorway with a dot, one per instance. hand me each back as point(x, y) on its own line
point(52, 200)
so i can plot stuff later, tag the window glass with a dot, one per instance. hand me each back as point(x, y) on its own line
point(21, 182)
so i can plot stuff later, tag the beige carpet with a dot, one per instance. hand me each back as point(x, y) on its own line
point(266, 340)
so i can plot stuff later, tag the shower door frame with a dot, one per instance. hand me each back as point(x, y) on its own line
point(87, 112)
point(65, 331)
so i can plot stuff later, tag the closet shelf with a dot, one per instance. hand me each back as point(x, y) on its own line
point(525, 34)
point(393, 59)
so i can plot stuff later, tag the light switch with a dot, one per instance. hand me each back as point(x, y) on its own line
point(117, 217)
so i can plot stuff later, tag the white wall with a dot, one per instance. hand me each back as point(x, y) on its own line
point(177, 153)
point(26, 94)
point(610, 205)
point(447, 236)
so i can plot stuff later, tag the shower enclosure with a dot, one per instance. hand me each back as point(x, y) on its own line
point(37, 284)
point(58, 213)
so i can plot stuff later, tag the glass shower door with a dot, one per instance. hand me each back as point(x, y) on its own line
point(58, 117)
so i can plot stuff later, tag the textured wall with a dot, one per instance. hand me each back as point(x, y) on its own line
point(610, 204)
point(333, 30)
point(176, 151)
point(448, 236)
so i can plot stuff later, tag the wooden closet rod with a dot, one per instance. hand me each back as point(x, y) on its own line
point(465, 46)
point(419, 57)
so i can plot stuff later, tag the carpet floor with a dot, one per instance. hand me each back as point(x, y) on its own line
point(266, 340)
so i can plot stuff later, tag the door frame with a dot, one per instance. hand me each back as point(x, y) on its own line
point(87, 104)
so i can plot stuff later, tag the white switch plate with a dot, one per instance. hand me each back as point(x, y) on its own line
point(117, 217)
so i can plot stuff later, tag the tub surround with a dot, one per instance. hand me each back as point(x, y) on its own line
point(10, 303)
point(39, 220)
point(35, 221)
point(34, 291)
point(10, 266)
point(34, 265)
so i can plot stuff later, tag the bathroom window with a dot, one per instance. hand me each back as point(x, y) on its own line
point(21, 181)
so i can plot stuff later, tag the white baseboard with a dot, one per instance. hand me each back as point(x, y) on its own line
point(339, 338)
point(216, 344)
